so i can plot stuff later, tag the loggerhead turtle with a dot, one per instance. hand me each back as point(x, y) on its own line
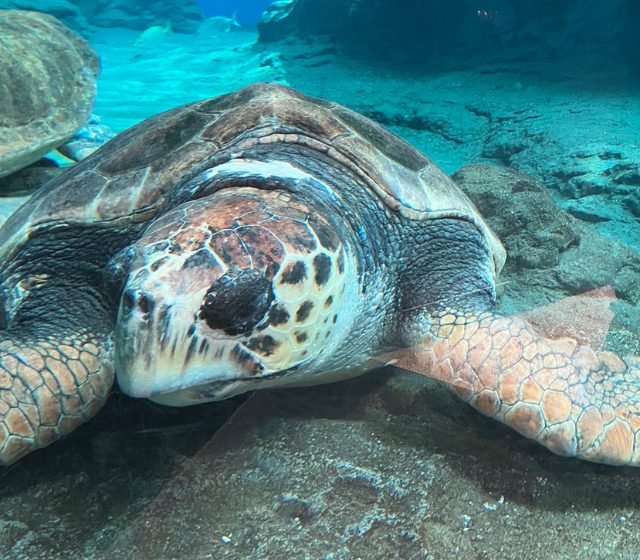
point(265, 238)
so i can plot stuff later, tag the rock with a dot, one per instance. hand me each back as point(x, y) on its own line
point(65, 10)
point(276, 22)
point(551, 254)
point(451, 34)
point(99, 478)
point(627, 173)
point(116, 17)
point(599, 261)
point(595, 174)
point(57, 8)
point(389, 465)
point(184, 16)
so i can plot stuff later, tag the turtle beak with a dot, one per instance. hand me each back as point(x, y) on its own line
point(163, 355)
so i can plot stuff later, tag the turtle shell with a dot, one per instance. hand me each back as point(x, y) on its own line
point(128, 180)
point(47, 86)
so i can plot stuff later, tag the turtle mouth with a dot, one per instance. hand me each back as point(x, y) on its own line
point(205, 392)
point(215, 390)
point(156, 373)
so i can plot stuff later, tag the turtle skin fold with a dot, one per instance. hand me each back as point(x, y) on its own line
point(573, 400)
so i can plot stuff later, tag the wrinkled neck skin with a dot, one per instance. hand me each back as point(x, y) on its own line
point(264, 281)
point(445, 265)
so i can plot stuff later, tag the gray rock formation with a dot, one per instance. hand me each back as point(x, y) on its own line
point(442, 34)
point(599, 177)
point(65, 10)
point(389, 465)
point(183, 15)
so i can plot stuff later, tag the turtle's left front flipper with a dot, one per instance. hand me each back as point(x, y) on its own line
point(53, 377)
point(571, 399)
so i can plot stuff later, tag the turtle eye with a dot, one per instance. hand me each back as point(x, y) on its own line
point(237, 301)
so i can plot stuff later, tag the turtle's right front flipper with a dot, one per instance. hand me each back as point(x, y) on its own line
point(49, 385)
point(571, 399)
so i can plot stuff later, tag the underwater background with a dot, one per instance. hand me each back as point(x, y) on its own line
point(388, 465)
point(247, 12)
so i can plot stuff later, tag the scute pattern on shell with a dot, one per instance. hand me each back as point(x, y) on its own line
point(129, 178)
point(47, 86)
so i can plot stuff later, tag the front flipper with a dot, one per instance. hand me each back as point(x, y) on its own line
point(49, 385)
point(571, 399)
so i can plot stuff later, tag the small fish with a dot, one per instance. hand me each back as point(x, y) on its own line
point(154, 34)
point(219, 24)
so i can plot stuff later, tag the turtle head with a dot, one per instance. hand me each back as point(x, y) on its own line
point(242, 289)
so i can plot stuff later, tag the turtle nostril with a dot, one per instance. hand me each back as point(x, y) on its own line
point(237, 301)
point(145, 303)
point(128, 300)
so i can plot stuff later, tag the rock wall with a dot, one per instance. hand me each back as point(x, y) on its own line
point(66, 11)
point(431, 31)
point(183, 15)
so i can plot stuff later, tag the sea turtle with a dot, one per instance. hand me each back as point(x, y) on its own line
point(47, 86)
point(263, 239)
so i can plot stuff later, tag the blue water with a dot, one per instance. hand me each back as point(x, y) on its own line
point(247, 11)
